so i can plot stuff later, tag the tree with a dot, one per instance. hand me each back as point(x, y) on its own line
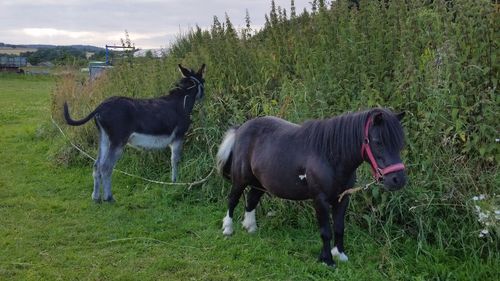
point(149, 54)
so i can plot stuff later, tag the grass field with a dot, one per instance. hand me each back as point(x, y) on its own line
point(50, 229)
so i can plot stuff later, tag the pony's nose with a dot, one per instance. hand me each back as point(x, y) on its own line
point(395, 181)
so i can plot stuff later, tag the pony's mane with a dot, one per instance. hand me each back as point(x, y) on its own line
point(340, 138)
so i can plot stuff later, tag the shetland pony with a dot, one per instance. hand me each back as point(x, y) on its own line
point(316, 160)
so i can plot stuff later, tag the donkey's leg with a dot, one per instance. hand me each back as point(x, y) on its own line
point(322, 208)
point(234, 197)
point(338, 228)
point(107, 165)
point(102, 150)
point(253, 197)
point(176, 148)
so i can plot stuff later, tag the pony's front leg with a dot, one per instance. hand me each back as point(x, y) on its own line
point(322, 208)
point(176, 148)
point(339, 210)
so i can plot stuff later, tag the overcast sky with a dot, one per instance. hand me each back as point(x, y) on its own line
point(150, 23)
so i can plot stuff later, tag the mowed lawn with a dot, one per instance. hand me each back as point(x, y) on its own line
point(50, 229)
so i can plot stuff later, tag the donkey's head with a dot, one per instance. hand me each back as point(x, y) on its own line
point(191, 79)
point(383, 142)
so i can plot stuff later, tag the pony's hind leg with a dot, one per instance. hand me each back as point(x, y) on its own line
point(107, 166)
point(102, 150)
point(253, 197)
point(234, 197)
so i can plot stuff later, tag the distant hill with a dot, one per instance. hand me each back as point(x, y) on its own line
point(59, 55)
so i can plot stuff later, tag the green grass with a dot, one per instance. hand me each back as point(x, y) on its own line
point(51, 230)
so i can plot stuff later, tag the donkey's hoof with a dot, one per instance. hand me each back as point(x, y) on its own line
point(96, 197)
point(97, 200)
point(110, 200)
point(340, 255)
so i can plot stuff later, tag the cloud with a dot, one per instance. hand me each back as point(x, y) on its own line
point(52, 32)
point(150, 23)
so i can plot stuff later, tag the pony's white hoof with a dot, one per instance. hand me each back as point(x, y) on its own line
point(249, 222)
point(341, 256)
point(228, 231)
point(227, 225)
point(250, 228)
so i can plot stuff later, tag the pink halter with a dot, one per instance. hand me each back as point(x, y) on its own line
point(377, 172)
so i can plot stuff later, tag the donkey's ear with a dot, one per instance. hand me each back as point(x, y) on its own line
point(377, 118)
point(400, 115)
point(201, 71)
point(184, 71)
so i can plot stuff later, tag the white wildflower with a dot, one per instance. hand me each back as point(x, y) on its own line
point(483, 216)
point(271, 213)
point(483, 233)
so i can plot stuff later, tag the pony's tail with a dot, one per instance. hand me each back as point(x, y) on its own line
point(72, 122)
point(224, 154)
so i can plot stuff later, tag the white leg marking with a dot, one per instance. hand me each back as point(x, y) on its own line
point(227, 225)
point(341, 256)
point(249, 222)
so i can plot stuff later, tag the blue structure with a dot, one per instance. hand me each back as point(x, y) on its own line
point(12, 64)
point(96, 68)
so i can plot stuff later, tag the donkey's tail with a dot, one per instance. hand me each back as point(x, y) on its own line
point(77, 122)
point(224, 154)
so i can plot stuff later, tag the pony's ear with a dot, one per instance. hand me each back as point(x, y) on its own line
point(377, 118)
point(201, 71)
point(400, 115)
point(184, 71)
